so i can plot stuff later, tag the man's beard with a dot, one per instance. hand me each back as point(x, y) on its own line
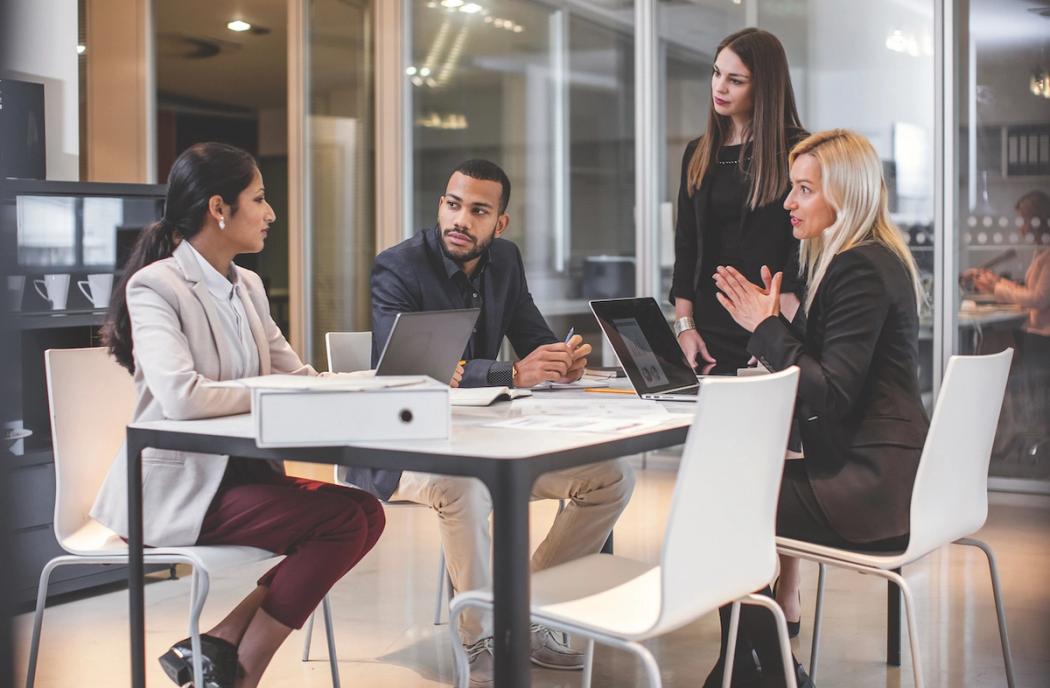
point(462, 258)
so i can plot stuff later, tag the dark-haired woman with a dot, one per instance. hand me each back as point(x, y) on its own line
point(184, 315)
point(731, 212)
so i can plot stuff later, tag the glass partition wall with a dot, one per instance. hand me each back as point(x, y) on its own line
point(545, 90)
point(1002, 219)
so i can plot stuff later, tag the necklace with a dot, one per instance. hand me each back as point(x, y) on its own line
point(733, 162)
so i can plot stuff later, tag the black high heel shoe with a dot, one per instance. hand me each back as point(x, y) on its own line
point(793, 626)
point(218, 661)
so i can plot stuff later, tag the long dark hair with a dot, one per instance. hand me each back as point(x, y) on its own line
point(202, 171)
point(774, 118)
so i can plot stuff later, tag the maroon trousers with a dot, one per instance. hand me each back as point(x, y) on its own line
point(323, 530)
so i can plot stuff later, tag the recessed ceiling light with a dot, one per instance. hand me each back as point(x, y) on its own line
point(238, 25)
point(452, 4)
point(81, 49)
point(471, 8)
point(411, 71)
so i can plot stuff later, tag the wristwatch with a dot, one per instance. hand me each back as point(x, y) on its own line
point(683, 324)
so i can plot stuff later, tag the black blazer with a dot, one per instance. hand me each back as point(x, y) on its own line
point(861, 416)
point(691, 222)
point(415, 276)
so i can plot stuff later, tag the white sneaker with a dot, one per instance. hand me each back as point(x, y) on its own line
point(480, 657)
point(550, 652)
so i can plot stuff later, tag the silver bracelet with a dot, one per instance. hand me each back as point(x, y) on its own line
point(683, 324)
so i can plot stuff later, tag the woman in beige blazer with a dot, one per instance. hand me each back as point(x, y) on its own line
point(185, 315)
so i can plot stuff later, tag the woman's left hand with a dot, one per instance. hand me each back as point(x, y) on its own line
point(747, 303)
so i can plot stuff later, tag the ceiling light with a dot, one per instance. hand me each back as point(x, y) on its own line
point(470, 8)
point(452, 4)
point(425, 71)
point(432, 4)
point(517, 28)
point(1039, 83)
point(238, 25)
point(411, 71)
point(81, 49)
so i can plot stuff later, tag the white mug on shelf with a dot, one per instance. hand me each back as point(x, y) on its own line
point(16, 284)
point(55, 290)
point(96, 289)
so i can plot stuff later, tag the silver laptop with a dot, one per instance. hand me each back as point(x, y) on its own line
point(648, 350)
point(427, 343)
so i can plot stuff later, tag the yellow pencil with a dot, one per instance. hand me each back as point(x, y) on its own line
point(608, 390)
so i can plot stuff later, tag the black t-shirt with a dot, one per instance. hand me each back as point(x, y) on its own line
point(725, 243)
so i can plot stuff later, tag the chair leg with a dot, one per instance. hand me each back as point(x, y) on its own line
point(814, 652)
point(1000, 610)
point(329, 627)
point(782, 634)
point(199, 584)
point(443, 580)
point(588, 664)
point(308, 632)
point(652, 669)
point(909, 612)
point(38, 615)
point(734, 627)
point(461, 667)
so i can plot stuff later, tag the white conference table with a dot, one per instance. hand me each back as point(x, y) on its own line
point(506, 460)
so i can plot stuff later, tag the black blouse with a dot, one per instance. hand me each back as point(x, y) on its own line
point(716, 227)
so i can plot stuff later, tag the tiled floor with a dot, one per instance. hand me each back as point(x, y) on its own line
point(384, 611)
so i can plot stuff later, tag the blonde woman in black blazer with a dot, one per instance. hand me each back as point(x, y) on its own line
point(862, 420)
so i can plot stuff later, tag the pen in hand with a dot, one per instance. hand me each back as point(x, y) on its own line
point(568, 337)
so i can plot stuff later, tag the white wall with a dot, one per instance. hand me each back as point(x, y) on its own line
point(41, 46)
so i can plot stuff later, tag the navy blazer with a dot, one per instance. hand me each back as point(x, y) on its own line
point(415, 276)
point(861, 416)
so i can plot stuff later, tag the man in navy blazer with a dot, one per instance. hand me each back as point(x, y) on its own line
point(463, 263)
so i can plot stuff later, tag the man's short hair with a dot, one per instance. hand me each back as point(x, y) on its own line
point(488, 171)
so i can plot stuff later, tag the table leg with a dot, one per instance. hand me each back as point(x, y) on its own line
point(510, 574)
point(136, 604)
point(893, 623)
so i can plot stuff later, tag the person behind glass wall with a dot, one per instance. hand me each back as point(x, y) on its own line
point(731, 212)
point(183, 315)
point(862, 420)
point(464, 262)
point(1033, 208)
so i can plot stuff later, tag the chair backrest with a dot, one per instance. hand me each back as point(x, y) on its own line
point(720, 542)
point(348, 351)
point(91, 399)
point(950, 496)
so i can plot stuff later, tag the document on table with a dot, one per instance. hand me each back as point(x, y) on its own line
point(343, 382)
point(576, 423)
point(582, 383)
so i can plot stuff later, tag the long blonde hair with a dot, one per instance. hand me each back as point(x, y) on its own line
point(851, 181)
point(774, 119)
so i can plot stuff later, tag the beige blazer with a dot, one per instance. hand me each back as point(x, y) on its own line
point(178, 348)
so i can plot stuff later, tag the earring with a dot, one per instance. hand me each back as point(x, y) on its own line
point(222, 223)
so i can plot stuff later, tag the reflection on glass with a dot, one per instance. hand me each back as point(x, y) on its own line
point(1003, 223)
point(46, 231)
point(341, 161)
point(546, 93)
point(102, 218)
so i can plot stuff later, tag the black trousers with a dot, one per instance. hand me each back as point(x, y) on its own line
point(798, 517)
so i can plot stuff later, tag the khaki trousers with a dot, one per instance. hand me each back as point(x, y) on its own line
point(596, 494)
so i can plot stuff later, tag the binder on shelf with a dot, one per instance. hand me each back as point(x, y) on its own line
point(299, 411)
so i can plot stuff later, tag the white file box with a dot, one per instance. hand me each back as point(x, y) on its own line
point(327, 417)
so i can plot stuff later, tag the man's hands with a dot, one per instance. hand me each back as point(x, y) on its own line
point(560, 362)
point(457, 376)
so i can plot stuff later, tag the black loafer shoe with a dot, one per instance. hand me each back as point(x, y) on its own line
point(218, 661)
point(793, 626)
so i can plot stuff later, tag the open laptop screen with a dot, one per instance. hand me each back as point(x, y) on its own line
point(643, 340)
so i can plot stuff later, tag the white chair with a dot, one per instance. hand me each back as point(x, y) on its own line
point(718, 548)
point(91, 402)
point(949, 500)
point(349, 352)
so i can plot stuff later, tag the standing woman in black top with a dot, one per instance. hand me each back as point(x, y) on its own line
point(731, 212)
point(730, 201)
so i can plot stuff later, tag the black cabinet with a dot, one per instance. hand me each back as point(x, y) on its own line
point(70, 230)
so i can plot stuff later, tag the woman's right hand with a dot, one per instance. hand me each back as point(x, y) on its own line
point(695, 348)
